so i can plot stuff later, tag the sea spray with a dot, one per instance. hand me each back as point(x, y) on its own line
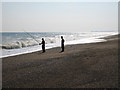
point(19, 43)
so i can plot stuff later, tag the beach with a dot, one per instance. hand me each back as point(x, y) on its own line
point(92, 65)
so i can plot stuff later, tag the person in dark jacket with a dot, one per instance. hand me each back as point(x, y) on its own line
point(62, 43)
point(43, 45)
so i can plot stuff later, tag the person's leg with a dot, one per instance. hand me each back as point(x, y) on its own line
point(63, 48)
point(43, 48)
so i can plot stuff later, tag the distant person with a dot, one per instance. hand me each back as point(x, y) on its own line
point(43, 45)
point(62, 43)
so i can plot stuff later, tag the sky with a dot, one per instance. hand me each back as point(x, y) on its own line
point(59, 16)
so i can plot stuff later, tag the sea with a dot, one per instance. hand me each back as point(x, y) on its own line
point(16, 43)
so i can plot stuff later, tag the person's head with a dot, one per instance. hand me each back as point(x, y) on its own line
point(61, 37)
point(42, 38)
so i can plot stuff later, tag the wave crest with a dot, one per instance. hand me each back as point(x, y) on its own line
point(18, 44)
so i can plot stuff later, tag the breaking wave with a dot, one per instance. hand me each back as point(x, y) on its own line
point(27, 43)
point(17, 43)
point(21, 42)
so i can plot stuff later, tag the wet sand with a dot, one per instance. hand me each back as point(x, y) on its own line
point(80, 66)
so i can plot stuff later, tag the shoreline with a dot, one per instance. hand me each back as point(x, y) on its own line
point(104, 38)
point(92, 65)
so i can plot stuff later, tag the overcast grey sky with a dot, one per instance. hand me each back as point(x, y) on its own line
point(59, 16)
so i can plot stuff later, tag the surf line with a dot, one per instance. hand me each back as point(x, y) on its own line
point(32, 37)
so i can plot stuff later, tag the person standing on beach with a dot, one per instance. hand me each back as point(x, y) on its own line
point(62, 43)
point(43, 45)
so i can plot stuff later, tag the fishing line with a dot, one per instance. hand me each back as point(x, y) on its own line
point(31, 36)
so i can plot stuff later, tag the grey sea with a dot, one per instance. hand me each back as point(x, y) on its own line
point(15, 43)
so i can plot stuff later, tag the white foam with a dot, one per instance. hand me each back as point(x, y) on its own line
point(30, 49)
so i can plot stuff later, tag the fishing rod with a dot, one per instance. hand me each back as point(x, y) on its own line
point(31, 36)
